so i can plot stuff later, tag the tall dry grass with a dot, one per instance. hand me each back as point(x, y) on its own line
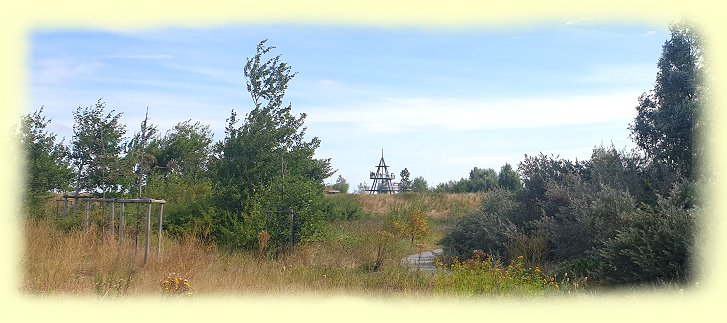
point(350, 258)
point(85, 263)
point(437, 205)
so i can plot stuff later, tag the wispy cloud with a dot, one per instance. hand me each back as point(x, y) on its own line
point(400, 115)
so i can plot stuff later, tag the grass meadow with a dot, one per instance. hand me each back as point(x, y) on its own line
point(349, 258)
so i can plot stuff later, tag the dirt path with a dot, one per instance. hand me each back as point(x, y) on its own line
point(423, 261)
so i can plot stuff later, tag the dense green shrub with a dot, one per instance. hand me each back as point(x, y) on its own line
point(239, 229)
point(479, 231)
point(584, 212)
point(499, 202)
point(532, 248)
point(188, 204)
point(343, 207)
point(581, 266)
point(654, 245)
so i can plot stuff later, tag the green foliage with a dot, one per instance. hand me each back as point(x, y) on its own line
point(532, 248)
point(410, 222)
point(96, 147)
point(588, 223)
point(341, 185)
point(187, 211)
point(483, 180)
point(184, 150)
point(68, 224)
point(653, 245)
point(343, 207)
point(477, 230)
point(460, 186)
point(419, 185)
point(404, 182)
point(487, 276)
point(508, 179)
point(139, 158)
point(585, 213)
point(499, 202)
point(537, 172)
point(265, 164)
point(47, 164)
point(584, 266)
point(669, 116)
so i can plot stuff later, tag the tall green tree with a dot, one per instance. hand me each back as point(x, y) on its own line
point(482, 179)
point(266, 163)
point(508, 179)
point(669, 116)
point(47, 164)
point(405, 182)
point(419, 185)
point(96, 148)
point(139, 156)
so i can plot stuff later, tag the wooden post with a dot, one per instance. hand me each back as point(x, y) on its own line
point(65, 207)
point(159, 233)
point(292, 239)
point(121, 225)
point(103, 210)
point(137, 228)
point(267, 219)
point(111, 219)
point(87, 207)
point(148, 229)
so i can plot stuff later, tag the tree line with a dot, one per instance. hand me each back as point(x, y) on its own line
point(620, 216)
point(225, 191)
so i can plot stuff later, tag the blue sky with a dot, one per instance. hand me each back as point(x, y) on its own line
point(438, 101)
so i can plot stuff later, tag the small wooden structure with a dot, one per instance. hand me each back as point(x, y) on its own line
point(382, 179)
point(112, 216)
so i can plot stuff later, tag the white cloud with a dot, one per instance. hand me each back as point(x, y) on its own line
point(400, 115)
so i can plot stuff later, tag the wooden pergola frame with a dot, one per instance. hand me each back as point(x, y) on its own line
point(112, 201)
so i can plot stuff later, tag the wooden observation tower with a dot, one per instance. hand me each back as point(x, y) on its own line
point(382, 179)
